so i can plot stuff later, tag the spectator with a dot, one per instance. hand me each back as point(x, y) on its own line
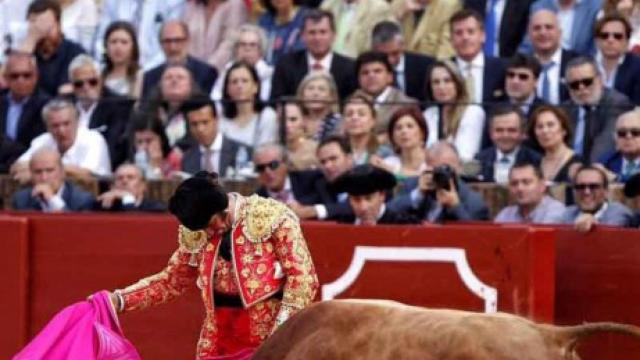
point(301, 151)
point(529, 189)
point(359, 128)
point(354, 22)
point(545, 34)
point(452, 118)
point(50, 191)
point(47, 42)
point(375, 80)
point(592, 207)
point(619, 68)
point(122, 74)
point(214, 151)
point(21, 104)
point(80, 21)
point(523, 72)
point(282, 22)
point(211, 25)
point(84, 152)
point(625, 161)
point(483, 75)
point(630, 9)
point(277, 182)
point(176, 86)
point(507, 132)
point(367, 187)
point(98, 108)
point(13, 25)
point(576, 18)
point(408, 68)
point(593, 109)
point(407, 134)
point(245, 118)
point(439, 194)
point(127, 192)
point(150, 148)
point(550, 130)
point(10, 151)
point(318, 34)
point(249, 45)
point(174, 38)
point(319, 99)
point(505, 23)
point(632, 192)
point(425, 25)
point(146, 16)
point(334, 156)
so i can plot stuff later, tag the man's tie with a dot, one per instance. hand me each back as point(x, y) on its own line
point(317, 66)
point(470, 83)
point(588, 141)
point(629, 170)
point(207, 161)
point(490, 23)
point(546, 85)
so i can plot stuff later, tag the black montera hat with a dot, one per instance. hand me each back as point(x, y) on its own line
point(197, 199)
point(364, 179)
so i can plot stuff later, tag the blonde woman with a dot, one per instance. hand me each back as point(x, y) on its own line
point(318, 94)
point(451, 117)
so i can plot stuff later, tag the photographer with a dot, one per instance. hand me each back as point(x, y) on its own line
point(439, 194)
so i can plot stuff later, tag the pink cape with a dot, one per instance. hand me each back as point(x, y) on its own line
point(87, 330)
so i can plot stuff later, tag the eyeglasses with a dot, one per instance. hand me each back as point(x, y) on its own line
point(521, 76)
point(623, 132)
point(590, 186)
point(586, 82)
point(79, 84)
point(606, 35)
point(173, 40)
point(17, 75)
point(272, 165)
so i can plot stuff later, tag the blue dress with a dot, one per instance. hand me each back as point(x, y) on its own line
point(282, 38)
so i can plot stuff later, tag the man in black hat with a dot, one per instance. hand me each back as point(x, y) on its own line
point(275, 274)
point(367, 186)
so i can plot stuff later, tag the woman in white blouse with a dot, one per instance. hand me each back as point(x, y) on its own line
point(452, 118)
point(122, 73)
point(245, 119)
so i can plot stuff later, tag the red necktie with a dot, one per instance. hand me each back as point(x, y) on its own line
point(317, 66)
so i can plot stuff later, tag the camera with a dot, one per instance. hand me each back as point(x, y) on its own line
point(442, 176)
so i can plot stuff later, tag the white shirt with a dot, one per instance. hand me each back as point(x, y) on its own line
point(501, 169)
point(13, 22)
point(400, 74)
point(80, 22)
point(554, 77)
point(325, 62)
point(89, 151)
point(56, 203)
point(468, 137)
point(84, 117)
point(477, 71)
point(262, 129)
point(215, 148)
point(611, 79)
point(565, 19)
point(382, 98)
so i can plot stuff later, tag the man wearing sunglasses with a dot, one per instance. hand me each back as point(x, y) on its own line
point(20, 105)
point(620, 69)
point(98, 107)
point(521, 82)
point(590, 188)
point(593, 109)
point(625, 161)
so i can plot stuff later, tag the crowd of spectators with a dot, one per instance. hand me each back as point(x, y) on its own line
point(358, 111)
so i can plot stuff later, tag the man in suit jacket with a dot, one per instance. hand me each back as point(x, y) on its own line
point(507, 132)
point(375, 81)
point(577, 34)
point(99, 108)
point(21, 104)
point(426, 27)
point(354, 22)
point(318, 34)
point(127, 192)
point(625, 161)
point(545, 34)
point(509, 19)
point(410, 69)
point(520, 83)
point(174, 39)
point(367, 187)
point(590, 187)
point(213, 151)
point(619, 68)
point(484, 75)
point(593, 109)
point(10, 151)
point(335, 158)
point(276, 182)
point(50, 192)
point(455, 202)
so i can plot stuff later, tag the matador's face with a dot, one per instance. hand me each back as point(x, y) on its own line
point(219, 223)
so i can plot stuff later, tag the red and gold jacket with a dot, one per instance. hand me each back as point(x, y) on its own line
point(269, 254)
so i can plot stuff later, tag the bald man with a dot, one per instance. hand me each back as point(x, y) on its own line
point(50, 192)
